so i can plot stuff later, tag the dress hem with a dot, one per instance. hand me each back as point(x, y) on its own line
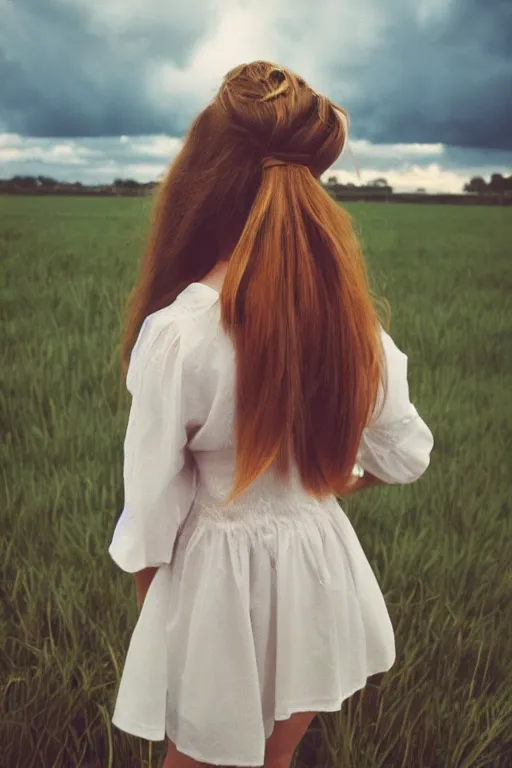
point(317, 707)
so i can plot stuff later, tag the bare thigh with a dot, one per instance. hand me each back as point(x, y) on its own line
point(285, 739)
point(279, 750)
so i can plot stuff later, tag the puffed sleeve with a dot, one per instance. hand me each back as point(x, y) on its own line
point(397, 444)
point(159, 482)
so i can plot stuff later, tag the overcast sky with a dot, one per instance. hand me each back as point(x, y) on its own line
point(95, 89)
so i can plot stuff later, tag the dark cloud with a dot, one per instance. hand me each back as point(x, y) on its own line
point(436, 71)
point(445, 80)
point(65, 73)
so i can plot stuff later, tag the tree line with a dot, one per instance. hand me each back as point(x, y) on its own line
point(497, 185)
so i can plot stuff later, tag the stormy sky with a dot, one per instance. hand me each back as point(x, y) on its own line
point(94, 89)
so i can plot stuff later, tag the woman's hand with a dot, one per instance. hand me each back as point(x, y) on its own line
point(143, 581)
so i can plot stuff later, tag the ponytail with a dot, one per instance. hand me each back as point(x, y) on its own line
point(297, 304)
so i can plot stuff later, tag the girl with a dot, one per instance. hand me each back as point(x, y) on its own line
point(260, 375)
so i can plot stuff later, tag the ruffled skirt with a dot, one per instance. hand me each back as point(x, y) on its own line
point(264, 611)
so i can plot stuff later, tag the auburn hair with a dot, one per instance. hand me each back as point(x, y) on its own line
point(295, 299)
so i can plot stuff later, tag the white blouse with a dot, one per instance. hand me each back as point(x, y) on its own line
point(181, 376)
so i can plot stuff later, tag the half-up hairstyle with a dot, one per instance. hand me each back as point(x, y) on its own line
point(295, 299)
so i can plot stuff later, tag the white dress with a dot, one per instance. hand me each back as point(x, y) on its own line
point(260, 609)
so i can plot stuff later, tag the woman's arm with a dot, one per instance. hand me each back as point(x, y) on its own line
point(143, 581)
point(396, 444)
point(362, 483)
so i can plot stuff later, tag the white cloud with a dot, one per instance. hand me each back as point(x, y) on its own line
point(144, 158)
point(407, 178)
point(289, 33)
point(165, 147)
point(242, 33)
point(13, 148)
point(327, 43)
point(395, 151)
point(10, 140)
point(144, 171)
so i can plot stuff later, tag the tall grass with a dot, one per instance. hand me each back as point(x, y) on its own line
point(440, 548)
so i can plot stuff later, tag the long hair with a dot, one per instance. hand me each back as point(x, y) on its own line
point(295, 299)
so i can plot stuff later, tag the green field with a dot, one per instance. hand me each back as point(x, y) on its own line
point(440, 548)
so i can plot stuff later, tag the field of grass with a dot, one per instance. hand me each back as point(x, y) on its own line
point(440, 548)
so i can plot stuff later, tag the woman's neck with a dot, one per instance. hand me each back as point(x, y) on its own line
point(215, 277)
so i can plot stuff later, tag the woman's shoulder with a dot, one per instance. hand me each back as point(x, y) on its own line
point(196, 300)
point(189, 322)
point(175, 333)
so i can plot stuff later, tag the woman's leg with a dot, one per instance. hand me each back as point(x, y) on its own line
point(280, 748)
point(175, 759)
point(285, 739)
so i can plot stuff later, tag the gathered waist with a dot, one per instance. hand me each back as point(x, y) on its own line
point(262, 511)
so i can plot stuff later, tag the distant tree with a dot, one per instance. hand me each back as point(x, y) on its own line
point(476, 185)
point(381, 182)
point(24, 181)
point(46, 181)
point(331, 181)
point(421, 190)
point(127, 183)
point(497, 183)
